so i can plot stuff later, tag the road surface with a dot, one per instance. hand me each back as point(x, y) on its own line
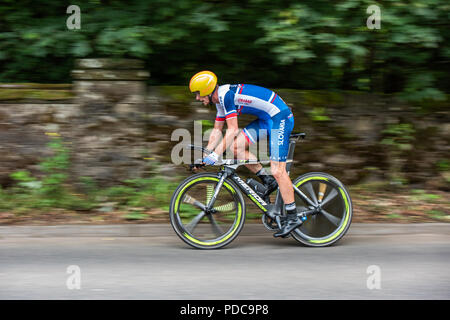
point(150, 262)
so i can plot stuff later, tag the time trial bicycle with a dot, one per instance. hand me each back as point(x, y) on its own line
point(207, 210)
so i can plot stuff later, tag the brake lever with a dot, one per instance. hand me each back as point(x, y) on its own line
point(195, 165)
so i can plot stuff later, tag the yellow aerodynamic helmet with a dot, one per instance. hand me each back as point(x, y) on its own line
point(204, 82)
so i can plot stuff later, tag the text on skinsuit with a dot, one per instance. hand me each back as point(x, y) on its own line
point(281, 133)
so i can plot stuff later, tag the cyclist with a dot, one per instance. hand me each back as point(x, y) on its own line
point(274, 119)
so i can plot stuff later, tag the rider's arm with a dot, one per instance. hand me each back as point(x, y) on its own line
point(216, 135)
point(230, 134)
point(226, 112)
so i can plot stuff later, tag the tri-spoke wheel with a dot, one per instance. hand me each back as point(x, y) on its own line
point(202, 226)
point(334, 214)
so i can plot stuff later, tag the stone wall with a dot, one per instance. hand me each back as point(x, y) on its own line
point(27, 113)
point(115, 126)
point(118, 128)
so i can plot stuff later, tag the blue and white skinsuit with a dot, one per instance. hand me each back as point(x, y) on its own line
point(275, 118)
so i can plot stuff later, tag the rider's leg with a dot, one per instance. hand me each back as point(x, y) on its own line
point(279, 172)
point(279, 146)
point(287, 193)
point(256, 130)
point(240, 149)
point(252, 133)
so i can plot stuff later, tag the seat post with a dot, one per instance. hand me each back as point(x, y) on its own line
point(290, 157)
point(292, 141)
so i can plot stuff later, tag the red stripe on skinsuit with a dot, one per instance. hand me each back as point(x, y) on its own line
point(246, 137)
point(273, 98)
point(231, 115)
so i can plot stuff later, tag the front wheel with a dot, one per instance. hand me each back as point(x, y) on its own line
point(201, 228)
point(335, 215)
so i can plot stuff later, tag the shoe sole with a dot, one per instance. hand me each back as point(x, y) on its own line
point(287, 234)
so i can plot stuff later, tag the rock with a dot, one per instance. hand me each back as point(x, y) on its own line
point(108, 119)
point(125, 109)
point(340, 159)
point(107, 207)
point(134, 132)
point(130, 75)
point(108, 63)
point(316, 166)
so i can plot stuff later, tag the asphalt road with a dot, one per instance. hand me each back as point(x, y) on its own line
point(410, 263)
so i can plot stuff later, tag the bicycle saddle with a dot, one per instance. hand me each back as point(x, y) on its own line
point(298, 134)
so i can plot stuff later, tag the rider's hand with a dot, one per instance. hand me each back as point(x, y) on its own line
point(211, 158)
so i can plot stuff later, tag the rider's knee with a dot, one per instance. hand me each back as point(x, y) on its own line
point(234, 148)
point(277, 171)
point(237, 149)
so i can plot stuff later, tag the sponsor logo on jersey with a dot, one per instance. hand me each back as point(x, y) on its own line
point(244, 100)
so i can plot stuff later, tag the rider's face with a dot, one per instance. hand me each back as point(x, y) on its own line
point(203, 99)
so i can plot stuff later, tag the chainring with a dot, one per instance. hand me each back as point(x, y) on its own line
point(269, 223)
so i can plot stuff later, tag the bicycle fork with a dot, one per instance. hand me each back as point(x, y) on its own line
point(210, 205)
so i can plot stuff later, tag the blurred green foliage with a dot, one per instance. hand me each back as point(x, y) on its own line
point(422, 195)
point(291, 44)
point(443, 165)
point(53, 190)
point(205, 125)
point(49, 191)
point(399, 136)
point(399, 139)
point(318, 114)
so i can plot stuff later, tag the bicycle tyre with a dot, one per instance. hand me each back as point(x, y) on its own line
point(181, 229)
point(313, 235)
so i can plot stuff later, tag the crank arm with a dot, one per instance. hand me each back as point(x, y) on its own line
point(307, 213)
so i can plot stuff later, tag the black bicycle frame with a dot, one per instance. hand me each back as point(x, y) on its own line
point(273, 210)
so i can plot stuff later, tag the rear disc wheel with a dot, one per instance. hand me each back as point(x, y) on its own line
point(334, 217)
